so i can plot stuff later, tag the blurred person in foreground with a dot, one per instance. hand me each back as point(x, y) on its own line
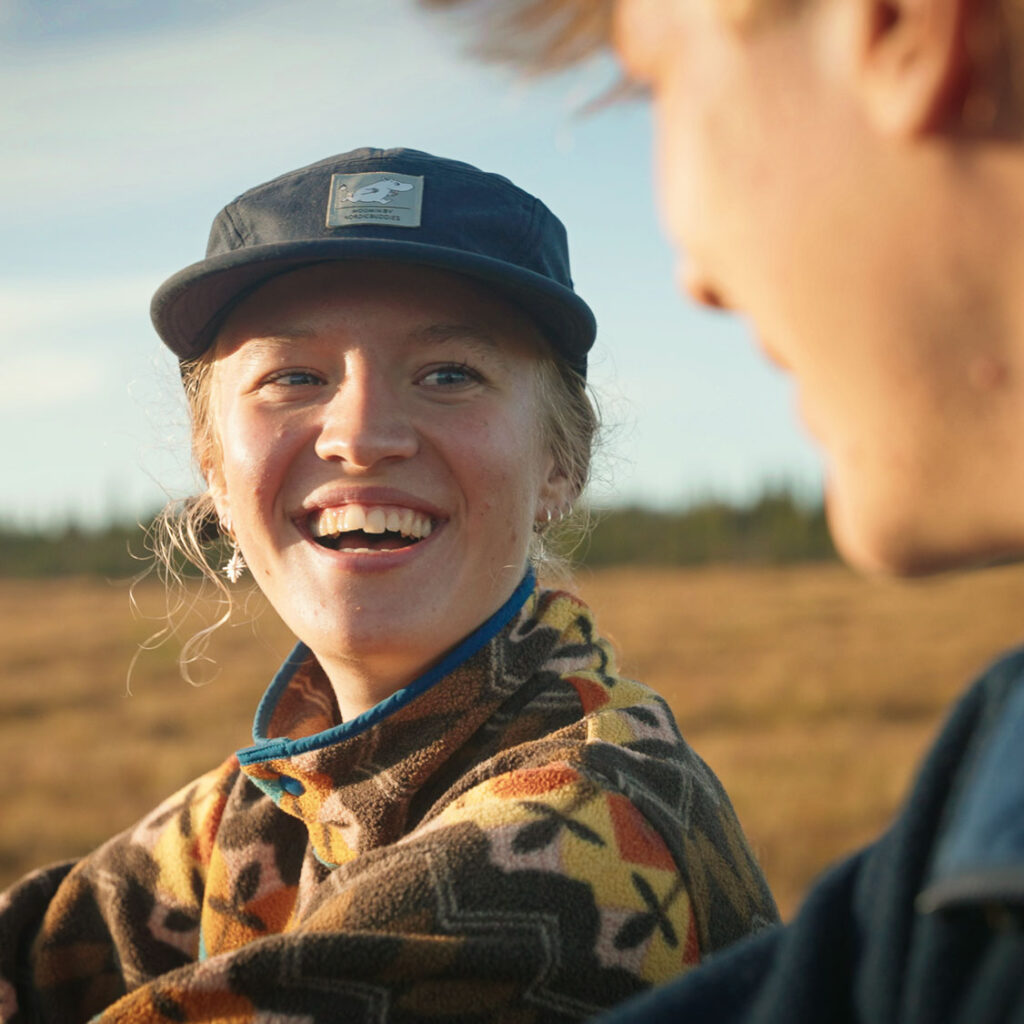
point(849, 174)
point(454, 807)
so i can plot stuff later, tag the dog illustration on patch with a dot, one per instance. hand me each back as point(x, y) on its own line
point(381, 192)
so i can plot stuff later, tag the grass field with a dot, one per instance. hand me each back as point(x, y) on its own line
point(811, 692)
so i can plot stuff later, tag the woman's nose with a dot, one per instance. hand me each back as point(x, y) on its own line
point(363, 424)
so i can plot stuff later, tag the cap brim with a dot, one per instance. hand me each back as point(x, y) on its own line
point(188, 308)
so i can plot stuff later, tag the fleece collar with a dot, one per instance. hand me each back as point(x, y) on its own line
point(352, 783)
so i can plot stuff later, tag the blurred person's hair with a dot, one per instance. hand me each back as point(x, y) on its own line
point(547, 35)
point(538, 35)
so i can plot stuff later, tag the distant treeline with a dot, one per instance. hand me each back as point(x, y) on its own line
point(73, 551)
point(776, 528)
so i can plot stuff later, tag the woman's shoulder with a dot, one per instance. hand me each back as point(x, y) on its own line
point(180, 831)
point(201, 800)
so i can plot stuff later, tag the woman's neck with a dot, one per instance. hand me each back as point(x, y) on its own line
point(360, 686)
point(380, 671)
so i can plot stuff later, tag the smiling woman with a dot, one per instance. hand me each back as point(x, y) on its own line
point(382, 393)
point(454, 807)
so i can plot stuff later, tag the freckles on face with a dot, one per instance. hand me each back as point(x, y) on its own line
point(506, 508)
point(254, 453)
point(393, 389)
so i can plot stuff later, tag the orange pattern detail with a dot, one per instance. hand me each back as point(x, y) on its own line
point(636, 840)
point(535, 781)
point(593, 696)
point(691, 951)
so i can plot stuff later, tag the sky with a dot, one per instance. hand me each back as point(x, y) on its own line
point(126, 125)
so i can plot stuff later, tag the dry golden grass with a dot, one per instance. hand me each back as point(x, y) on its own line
point(811, 692)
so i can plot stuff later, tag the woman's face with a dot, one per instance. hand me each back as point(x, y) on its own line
point(381, 458)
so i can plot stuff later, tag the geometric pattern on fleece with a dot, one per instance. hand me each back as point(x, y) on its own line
point(528, 838)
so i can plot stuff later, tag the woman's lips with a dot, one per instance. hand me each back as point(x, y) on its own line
point(381, 523)
point(370, 519)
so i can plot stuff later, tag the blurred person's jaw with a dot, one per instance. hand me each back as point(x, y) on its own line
point(815, 178)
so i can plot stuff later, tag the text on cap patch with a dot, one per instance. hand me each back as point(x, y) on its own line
point(375, 197)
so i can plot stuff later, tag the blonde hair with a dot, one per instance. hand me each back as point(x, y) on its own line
point(570, 431)
point(189, 533)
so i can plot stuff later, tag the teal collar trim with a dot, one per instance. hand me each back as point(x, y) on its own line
point(265, 749)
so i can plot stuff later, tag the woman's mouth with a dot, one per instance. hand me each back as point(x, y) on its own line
point(366, 528)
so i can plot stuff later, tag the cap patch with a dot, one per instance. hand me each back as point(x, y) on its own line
point(375, 197)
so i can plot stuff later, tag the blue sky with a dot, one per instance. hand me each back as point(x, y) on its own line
point(128, 124)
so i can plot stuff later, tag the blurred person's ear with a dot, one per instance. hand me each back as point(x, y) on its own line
point(913, 63)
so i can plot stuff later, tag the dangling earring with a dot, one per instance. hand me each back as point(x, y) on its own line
point(234, 567)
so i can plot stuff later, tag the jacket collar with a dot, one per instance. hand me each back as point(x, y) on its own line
point(352, 783)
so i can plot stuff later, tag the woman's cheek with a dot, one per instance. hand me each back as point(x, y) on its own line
point(253, 449)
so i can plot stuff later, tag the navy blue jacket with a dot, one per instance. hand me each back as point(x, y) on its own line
point(924, 926)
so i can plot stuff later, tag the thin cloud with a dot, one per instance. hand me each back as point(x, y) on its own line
point(43, 307)
point(37, 381)
point(60, 21)
point(166, 106)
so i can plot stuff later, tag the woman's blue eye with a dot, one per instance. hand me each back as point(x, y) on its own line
point(295, 378)
point(452, 375)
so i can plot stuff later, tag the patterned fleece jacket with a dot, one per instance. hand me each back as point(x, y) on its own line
point(520, 835)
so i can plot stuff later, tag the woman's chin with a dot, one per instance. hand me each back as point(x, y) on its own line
point(368, 621)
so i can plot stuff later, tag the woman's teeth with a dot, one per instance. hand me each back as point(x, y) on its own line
point(377, 520)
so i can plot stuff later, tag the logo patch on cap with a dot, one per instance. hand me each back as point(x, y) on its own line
point(375, 197)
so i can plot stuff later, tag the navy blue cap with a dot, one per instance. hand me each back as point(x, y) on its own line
point(395, 205)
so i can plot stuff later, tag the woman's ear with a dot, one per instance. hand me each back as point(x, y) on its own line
point(913, 63)
point(557, 493)
point(218, 492)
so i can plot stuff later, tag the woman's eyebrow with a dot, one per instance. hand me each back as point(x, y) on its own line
point(283, 336)
point(475, 337)
point(276, 343)
point(471, 333)
point(430, 334)
point(274, 340)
